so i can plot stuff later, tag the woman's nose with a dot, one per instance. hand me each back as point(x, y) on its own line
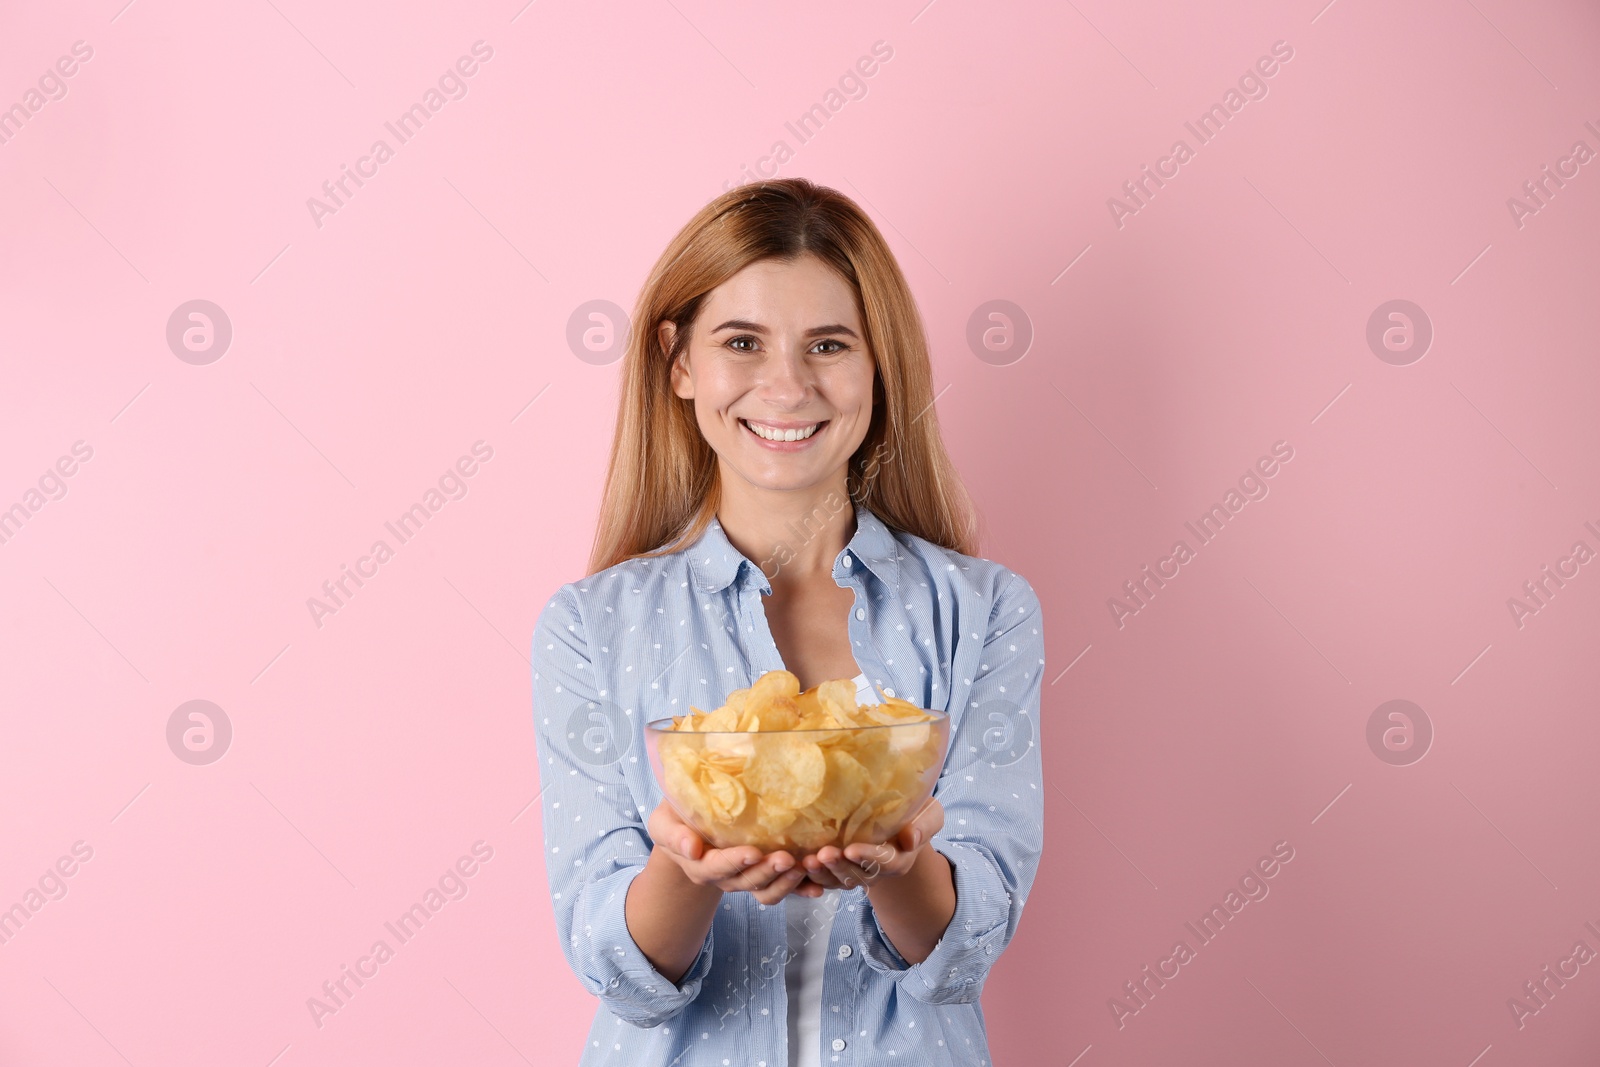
point(787, 376)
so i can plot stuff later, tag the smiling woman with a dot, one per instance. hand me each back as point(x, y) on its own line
point(664, 486)
point(779, 374)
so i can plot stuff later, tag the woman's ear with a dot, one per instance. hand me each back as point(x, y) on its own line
point(682, 386)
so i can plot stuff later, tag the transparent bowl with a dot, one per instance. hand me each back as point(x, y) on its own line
point(761, 787)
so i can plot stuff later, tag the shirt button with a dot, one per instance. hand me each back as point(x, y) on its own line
point(838, 1044)
point(844, 952)
point(861, 613)
point(847, 559)
point(889, 692)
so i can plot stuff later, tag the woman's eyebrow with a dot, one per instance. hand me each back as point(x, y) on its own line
point(756, 327)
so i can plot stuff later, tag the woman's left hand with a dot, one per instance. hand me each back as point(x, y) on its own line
point(863, 864)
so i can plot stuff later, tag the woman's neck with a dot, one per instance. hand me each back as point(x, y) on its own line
point(800, 533)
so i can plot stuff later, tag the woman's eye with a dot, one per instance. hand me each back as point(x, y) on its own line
point(737, 343)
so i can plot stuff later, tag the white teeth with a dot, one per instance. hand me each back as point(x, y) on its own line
point(771, 434)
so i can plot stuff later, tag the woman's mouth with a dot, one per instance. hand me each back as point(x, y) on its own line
point(784, 439)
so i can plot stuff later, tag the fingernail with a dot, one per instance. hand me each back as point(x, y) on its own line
point(747, 861)
point(683, 846)
point(916, 838)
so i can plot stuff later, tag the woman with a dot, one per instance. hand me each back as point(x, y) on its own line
point(779, 498)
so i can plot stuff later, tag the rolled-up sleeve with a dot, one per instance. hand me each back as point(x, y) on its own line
point(595, 840)
point(991, 791)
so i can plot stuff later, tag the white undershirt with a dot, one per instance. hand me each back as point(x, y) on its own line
point(810, 922)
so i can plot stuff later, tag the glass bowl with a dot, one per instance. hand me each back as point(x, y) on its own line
point(799, 790)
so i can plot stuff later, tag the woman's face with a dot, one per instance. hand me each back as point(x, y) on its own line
point(779, 346)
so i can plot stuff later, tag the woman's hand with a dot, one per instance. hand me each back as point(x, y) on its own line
point(863, 864)
point(744, 868)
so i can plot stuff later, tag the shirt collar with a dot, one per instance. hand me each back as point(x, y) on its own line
point(715, 563)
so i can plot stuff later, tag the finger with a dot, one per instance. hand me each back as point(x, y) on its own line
point(817, 869)
point(926, 823)
point(664, 827)
point(872, 858)
point(884, 861)
point(848, 874)
point(688, 844)
point(780, 886)
point(865, 862)
point(824, 879)
point(775, 863)
point(756, 876)
point(731, 864)
point(825, 855)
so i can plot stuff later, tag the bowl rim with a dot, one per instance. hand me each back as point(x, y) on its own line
point(654, 725)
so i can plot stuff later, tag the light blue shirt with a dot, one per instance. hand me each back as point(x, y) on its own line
point(646, 639)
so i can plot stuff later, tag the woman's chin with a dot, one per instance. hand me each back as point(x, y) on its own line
point(780, 477)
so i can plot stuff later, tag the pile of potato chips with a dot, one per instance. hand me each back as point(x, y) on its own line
point(781, 769)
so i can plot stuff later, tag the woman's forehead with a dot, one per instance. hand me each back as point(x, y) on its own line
point(784, 294)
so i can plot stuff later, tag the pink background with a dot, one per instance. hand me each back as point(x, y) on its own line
point(1168, 353)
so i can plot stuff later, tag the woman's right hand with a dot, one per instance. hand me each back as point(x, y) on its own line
point(743, 868)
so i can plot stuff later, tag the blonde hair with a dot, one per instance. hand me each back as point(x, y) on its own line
point(662, 488)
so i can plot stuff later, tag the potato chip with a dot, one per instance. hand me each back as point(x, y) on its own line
point(726, 792)
point(778, 713)
point(809, 833)
point(852, 825)
point(808, 705)
point(775, 818)
point(787, 770)
point(838, 699)
point(679, 763)
point(845, 787)
point(727, 752)
point(775, 684)
point(780, 768)
point(724, 718)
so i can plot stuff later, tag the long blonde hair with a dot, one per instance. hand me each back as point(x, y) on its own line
point(662, 488)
